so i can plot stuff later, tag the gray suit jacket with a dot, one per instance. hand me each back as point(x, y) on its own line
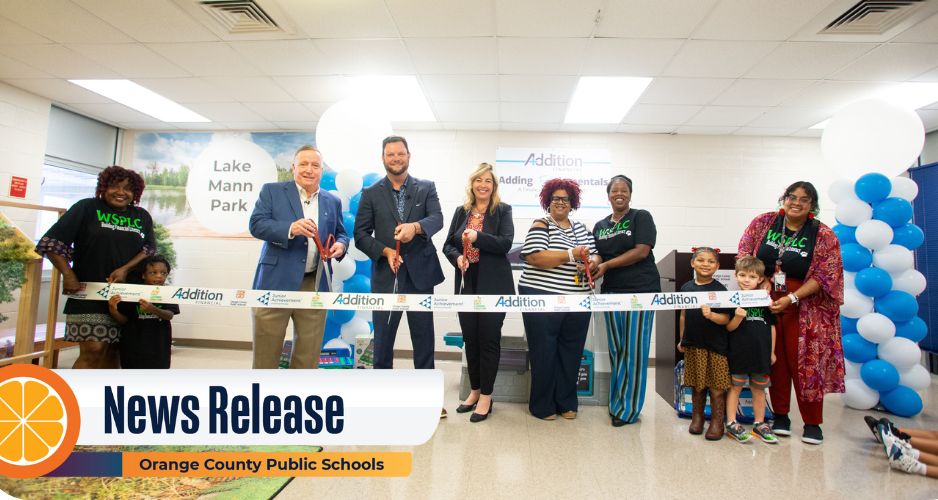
point(374, 231)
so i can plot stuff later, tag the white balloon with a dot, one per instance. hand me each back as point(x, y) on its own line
point(851, 369)
point(874, 234)
point(894, 259)
point(342, 270)
point(858, 395)
point(916, 378)
point(903, 187)
point(909, 281)
point(345, 201)
point(349, 182)
point(900, 352)
point(842, 189)
point(337, 285)
point(354, 252)
point(365, 315)
point(853, 212)
point(349, 134)
point(355, 327)
point(876, 328)
point(856, 305)
point(872, 135)
point(850, 280)
point(337, 343)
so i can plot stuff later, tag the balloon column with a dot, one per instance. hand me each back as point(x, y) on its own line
point(880, 328)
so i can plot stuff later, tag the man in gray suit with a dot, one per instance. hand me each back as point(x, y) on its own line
point(401, 198)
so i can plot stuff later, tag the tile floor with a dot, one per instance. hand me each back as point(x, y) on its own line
point(514, 455)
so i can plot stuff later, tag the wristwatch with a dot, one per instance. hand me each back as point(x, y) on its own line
point(793, 298)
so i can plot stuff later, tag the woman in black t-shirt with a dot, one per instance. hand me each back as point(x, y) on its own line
point(104, 237)
point(624, 241)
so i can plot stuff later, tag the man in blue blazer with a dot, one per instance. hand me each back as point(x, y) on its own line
point(400, 198)
point(289, 260)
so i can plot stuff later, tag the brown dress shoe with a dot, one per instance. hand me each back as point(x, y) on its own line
point(717, 414)
point(699, 401)
point(443, 414)
point(569, 415)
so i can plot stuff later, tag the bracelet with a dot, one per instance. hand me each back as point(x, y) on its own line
point(793, 298)
point(570, 253)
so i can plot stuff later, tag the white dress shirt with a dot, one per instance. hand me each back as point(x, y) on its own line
point(310, 204)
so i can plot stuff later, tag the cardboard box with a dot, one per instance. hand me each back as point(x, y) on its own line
point(365, 351)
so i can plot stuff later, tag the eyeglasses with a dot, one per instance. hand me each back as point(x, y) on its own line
point(557, 200)
point(804, 200)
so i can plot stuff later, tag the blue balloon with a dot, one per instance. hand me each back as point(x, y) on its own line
point(848, 325)
point(908, 235)
point(897, 305)
point(363, 268)
point(893, 211)
point(340, 316)
point(902, 401)
point(327, 181)
point(846, 234)
point(371, 324)
point(873, 282)
point(348, 218)
point(873, 188)
point(357, 284)
point(370, 178)
point(857, 348)
point(914, 330)
point(856, 257)
point(879, 375)
point(353, 203)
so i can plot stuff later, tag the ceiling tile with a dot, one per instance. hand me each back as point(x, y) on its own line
point(704, 58)
point(454, 56)
point(132, 60)
point(792, 117)
point(432, 18)
point(726, 116)
point(589, 127)
point(929, 118)
point(748, 20)
point(11, 32)
point(282, 111)
point(250, 126)
point(61, 21)
point(470, 125)
point(153, 21)
point(691, 130)
point(115, 113)
point(225, 112)
point(760, 92)
point(184, 90)
point(206, 59)
point(301, 126)
point(929, 76)
point(666, 90)
point(285, 57)
point(60, 90)
point(660, 114)
point(200, 126)
point(808, 133)
point(137, 126)
point(645, 129)
point(923, 32)
point(628, 57)
point(57, 60)
point(533, 112)
point(466, 111)
point(367, 57)
point(895, 62)
point(652, 18)
point(345, 19)
point(530, 127)
point(250, 89)
point(540, 56)
point(318, 108)
point(807, 60)
point(460, 87)
point(765, 131)
point(563, 18)
point(835, 95)
point(528, 88)
point(315, 88)
point(11, 68)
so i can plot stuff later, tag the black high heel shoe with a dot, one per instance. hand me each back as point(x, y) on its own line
point(466, 408)
point(478, 417)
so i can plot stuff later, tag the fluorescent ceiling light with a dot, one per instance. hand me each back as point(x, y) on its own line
point(909, 95)
point(604, 99)
point(401, 97)
point(141, 99)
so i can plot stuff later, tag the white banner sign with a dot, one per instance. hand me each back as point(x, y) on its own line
point(522, 172)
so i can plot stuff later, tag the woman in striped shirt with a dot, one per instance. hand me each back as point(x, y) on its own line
point(553, 250)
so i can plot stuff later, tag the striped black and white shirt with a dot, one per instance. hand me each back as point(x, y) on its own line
point(560, 279)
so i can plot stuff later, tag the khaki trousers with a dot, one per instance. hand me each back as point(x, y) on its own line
point(270, 327)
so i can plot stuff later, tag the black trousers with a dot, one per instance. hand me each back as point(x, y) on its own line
point(421, 328)
point(482, 334)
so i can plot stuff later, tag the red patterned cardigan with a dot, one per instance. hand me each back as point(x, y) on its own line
point(820, 351)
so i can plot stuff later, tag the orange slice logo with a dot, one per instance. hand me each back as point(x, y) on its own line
point(39, 421)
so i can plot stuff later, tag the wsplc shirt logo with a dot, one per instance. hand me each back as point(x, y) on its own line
point(120, 223)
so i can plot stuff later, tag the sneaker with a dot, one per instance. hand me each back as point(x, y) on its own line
point(812, 434)
point(873, 424)
point(781, 425)
point(889, 440)
point(902, 460)
point(737, 432)
point(764, 432)
point(893, 429)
